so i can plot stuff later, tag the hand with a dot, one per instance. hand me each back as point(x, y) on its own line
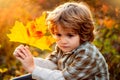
point(23, 54)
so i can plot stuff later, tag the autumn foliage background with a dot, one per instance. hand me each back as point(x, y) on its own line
point(106, 15)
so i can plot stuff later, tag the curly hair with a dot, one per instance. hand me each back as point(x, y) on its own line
point(76, 16)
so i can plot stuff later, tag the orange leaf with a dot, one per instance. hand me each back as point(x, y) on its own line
point(109, 22)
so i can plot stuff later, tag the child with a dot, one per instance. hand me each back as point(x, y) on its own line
point(75, 57)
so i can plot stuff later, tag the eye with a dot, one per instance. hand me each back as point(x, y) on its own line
point(58, 35)
point(70, 35)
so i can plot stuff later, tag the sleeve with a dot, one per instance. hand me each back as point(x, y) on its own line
point(46, 68)
point(47, 74)
point(44, 63)
point(83, 67)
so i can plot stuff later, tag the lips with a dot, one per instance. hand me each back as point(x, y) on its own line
point(64, 46)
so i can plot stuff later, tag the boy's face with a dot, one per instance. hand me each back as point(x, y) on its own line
point(66, 39)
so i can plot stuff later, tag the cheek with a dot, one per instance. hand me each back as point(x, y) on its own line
point(58, 43)
point(57, 39)
point(77, 40)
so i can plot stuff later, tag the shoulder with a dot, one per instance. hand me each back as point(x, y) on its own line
point(88, 46)
point(90, 50)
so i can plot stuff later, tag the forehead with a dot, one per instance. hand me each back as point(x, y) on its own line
point(64, 29)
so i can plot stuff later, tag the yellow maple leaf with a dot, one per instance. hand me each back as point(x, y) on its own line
point(41, 22)
point(34, 33)
point(18, 33)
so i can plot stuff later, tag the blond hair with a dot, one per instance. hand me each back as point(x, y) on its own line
point(76, 16)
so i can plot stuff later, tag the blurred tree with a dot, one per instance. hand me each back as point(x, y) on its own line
point(10, 11)
point(106, 15)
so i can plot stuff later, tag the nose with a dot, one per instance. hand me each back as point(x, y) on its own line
point(63, 40)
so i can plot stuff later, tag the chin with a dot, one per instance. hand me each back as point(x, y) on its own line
point(66, 51)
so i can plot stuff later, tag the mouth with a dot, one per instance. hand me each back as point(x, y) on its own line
point(64, 46)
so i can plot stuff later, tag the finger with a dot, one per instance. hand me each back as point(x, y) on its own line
point(20, 59)
point(20, 46)
point(20, 54)
point(23, 50)
point(27, 50)
point(17, 48)
point(15, 53)
point(27, 47)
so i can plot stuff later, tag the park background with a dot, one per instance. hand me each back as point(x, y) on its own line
point(106, 15)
